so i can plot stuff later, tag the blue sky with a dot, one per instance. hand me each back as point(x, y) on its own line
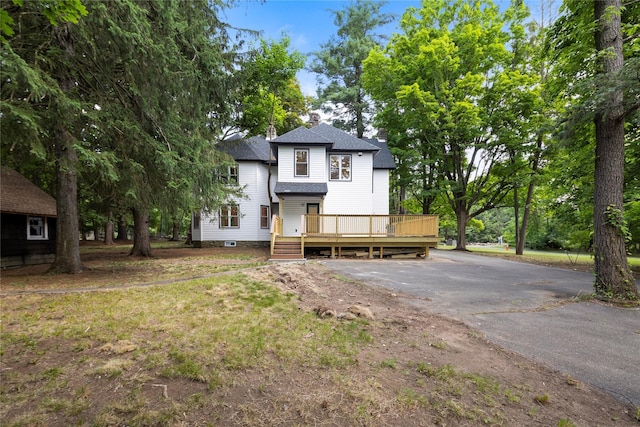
point(309, 23)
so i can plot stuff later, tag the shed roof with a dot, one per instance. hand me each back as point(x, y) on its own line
point(18, 195)
point(301, 188)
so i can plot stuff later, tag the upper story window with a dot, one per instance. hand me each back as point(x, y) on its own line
point(37, 228)
point(340, 167)
point(232, 174)
point(302, 162)
point(229, 216)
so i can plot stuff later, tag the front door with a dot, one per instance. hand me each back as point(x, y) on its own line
point(313, 224)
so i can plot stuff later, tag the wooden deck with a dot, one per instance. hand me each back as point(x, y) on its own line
point(370, 232)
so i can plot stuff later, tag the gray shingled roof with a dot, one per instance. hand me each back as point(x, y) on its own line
point(255, 148)
point(324, 134)
point(303, 136)
point(18, 195)
point(342, 141)
point(383, 159)
point(301, 188)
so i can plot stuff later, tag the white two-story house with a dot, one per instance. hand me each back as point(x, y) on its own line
point(317, 170)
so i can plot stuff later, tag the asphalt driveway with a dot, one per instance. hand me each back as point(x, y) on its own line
point(522, 308)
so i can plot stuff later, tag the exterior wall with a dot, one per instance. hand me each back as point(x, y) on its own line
point(317, 164)
point(355, 196)
point(292, 208)
point(17, 250)
point(381, 192)
point(253, 178)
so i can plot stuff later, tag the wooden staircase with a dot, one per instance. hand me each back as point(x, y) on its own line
point(287, 250)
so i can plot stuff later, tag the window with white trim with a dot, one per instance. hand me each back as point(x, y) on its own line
point(264, 216)
point(229, 216)
point(37, 228)
point(340, 167)
point(302, 162)
point(196, 220)
point(233, 174)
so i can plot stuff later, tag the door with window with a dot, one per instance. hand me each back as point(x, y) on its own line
point(313, 224)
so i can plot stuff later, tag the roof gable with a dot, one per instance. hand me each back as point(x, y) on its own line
point(18, 195)
point(324, 134)
point(302, 136)
point(342, 141)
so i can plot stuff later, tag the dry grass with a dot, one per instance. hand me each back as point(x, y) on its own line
point(246, 348)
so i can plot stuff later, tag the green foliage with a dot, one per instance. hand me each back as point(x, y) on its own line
point(272, 94)
point(56, 11)
point(339, 63)
point(457, 100)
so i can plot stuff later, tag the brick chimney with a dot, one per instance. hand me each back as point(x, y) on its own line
point(271, 132)
point(314, 119)
point(382, 134)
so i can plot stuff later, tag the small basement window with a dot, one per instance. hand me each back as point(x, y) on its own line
point(37, 228)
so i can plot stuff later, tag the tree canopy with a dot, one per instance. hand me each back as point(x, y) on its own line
point(450, 85)
point(339, 63)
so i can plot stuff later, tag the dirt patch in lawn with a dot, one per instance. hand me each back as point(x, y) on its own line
point(409, 368)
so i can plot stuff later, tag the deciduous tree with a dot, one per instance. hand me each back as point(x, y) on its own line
point(447, 84)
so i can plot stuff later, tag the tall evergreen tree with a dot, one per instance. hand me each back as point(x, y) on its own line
point(339, 63)
point(613, 276)
point(40, 107)
point(596, 81)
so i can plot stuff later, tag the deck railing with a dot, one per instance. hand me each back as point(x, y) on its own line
point(276, 229)
point(370, 225)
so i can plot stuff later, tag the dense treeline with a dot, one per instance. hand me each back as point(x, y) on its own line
point(117, 106)
point(509, 127)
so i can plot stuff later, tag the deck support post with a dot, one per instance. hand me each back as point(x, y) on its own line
point(370, 251)
point(333, 252)
point(381, 252)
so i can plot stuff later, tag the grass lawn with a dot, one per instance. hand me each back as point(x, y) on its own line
point(220, 337)
point(551, 257)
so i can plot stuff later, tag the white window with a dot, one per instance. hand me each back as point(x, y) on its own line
point(229, 216)
point(229, 174)
point(37, 228)
point(196, 220)
point(302, 162)
point(233, 174)
point(264, 216)
point(340, 167)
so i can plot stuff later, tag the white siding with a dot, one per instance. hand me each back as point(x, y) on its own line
point(196, 232)
point(253, 177)
point(355, 196)
point(293, 208)
point(317, 164)
point(381, 192)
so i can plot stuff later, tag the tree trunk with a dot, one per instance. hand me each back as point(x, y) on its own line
point(108, 232)
point(175, 231)
point(122, 230)
point(516, 213)
point(141, 240)
point(68, 228)
point(527, 204)
point(462, 218)
point(613, 276)
point(68, 225)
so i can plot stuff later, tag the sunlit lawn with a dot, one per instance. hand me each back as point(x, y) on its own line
point(550, 256)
